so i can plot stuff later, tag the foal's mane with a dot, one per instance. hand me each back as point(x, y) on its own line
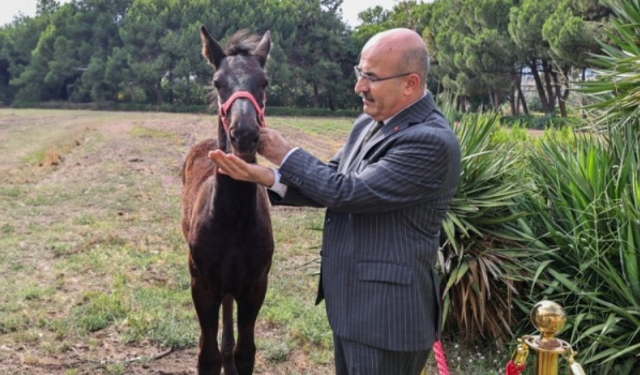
point(242, 42)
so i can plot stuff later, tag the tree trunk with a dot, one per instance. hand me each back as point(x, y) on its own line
point(551, 98)
point(187, 99)
point(520, 95)
point(159, 94)
point(461, 105)
point(523, 100)
point(316, 96)
point(513, 102)
point(541, 92)
point(556, 83)
point(330, 99)
point(583, 102)
point(567, 91)
point(170, 87)
point(562, 96)
point(494, 100)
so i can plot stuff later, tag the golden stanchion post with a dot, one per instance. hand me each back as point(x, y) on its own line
point(549, 318)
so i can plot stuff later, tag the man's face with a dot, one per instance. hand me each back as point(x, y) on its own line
point(381, 99)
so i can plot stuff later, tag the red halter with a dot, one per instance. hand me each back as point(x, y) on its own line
point(223, 109)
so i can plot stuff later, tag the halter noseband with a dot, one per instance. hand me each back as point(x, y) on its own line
point(223, 109)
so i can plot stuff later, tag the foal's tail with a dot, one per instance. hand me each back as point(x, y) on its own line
point(228, 340)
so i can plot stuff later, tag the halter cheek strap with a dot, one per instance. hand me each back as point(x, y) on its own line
point(223, 108)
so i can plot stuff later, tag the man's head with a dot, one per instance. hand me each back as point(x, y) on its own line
point(397, 53)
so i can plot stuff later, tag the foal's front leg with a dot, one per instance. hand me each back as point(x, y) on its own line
point(207, 308)
point(248, 308)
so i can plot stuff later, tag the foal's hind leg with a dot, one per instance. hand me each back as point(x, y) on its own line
point(207, 309)
point(248, 309)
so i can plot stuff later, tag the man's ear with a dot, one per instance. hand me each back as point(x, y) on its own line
point(413, 82)
point(211, 50)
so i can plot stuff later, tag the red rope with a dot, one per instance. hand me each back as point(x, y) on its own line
point(513, 369)
point(438, 351)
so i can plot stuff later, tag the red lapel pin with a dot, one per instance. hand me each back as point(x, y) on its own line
point(396, 128)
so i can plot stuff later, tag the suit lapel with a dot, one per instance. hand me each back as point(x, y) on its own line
point(354, 146)
point(415, 114)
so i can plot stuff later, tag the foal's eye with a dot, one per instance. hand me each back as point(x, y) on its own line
point(266, 83)
point(216, 84)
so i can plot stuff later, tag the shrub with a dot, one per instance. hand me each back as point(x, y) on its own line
point(484, 250)
point(181, 108)
point(589, 204)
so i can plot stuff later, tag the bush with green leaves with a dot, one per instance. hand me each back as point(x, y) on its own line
point(589, 203)
point(617, 89)
point(485, 242)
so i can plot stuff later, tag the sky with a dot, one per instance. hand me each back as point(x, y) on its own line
point(350, 8)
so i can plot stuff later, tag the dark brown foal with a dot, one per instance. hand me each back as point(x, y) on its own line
point(226, 222)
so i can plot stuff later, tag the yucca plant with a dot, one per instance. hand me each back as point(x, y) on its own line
point(485, 241)
point(589, 203)
point(617, 88)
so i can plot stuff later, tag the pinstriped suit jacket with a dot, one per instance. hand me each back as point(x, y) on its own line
point(385, 205)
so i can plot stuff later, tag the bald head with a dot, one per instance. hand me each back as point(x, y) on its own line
point(406, 47)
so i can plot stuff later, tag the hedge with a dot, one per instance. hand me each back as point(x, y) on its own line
point(180, 108)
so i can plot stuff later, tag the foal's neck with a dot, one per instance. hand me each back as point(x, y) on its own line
point(235, 198)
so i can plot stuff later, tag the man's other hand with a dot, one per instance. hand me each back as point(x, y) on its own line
point(273, 146)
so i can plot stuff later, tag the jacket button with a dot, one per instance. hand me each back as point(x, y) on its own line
point(328, 221)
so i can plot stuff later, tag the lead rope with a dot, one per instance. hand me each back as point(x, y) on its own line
point(518, 360)
point(513, 369)
point(441, 360)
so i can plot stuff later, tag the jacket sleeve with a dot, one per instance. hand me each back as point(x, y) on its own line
point(294, 197)
point(412, 170)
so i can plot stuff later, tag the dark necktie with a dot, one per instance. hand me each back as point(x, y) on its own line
point(372, 131)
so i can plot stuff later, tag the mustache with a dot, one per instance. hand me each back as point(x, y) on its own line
point(367, 97)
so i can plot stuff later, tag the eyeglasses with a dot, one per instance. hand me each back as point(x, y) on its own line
point(374, 79)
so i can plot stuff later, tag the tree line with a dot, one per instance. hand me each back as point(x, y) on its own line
point(148, 51)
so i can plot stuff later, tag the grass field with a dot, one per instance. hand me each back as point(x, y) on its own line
point(93, 264)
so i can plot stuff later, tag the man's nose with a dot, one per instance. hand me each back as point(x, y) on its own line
point(361, 85)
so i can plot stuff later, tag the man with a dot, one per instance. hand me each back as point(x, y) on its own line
point(386, 192)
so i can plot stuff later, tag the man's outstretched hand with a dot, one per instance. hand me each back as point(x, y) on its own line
point(238, 169)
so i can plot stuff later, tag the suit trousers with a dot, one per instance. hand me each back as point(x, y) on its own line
point(353, 358)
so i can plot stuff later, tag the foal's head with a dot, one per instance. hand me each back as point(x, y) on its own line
point(240, 81)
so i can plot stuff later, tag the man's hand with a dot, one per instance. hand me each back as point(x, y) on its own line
point(238, 169)
point(273, 146)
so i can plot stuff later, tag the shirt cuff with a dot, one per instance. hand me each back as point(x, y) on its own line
point(278, 187)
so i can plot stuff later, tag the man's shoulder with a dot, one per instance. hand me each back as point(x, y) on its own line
point(434, 128)
point(435, 121)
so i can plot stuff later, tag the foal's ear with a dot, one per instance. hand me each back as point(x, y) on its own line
point(211, 50)
point(262, 50)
